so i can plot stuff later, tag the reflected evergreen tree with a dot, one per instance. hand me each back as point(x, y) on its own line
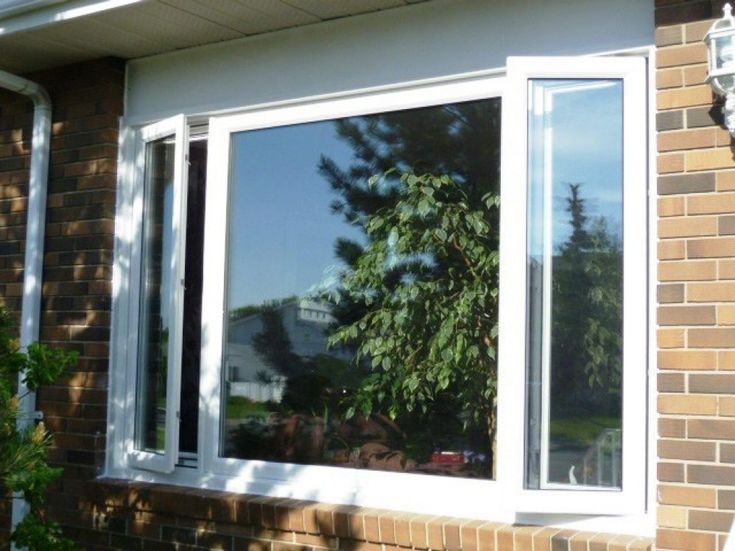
point(312, 382)
point(587, 314)
point(460, 140)
point(273, 343)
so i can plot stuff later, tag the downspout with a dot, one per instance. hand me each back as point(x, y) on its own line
point(36, 218)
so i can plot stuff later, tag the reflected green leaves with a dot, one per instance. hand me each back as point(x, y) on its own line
point(436, 330)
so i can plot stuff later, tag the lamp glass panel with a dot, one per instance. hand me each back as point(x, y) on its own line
point(723, 56)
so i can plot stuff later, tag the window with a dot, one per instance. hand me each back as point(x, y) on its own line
point(235, 290)
point(580, 395)
point(155, 430)
point(574, 283)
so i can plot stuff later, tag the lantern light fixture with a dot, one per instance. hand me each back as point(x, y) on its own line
point(720, 40)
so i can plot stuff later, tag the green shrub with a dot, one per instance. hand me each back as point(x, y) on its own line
point(24, 467)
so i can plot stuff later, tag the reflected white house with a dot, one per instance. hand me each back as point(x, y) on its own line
point(249, 373)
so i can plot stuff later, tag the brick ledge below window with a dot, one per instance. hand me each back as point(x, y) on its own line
point(155, 516)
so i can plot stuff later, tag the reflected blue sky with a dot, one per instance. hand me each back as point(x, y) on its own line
point(282, 230)
point(583, 120)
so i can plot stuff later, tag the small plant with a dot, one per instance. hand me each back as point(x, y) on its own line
point(24, 468)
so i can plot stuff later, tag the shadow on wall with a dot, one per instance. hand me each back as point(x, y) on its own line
point(221, 520)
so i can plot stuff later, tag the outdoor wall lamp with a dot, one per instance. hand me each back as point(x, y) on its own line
point(720, 40)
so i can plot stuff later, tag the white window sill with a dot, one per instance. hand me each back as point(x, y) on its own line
point(415, 493)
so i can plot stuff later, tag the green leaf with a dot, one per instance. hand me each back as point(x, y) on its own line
point(423, 207)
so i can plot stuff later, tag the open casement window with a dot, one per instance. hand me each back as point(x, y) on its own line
point(572, 374)
point(157, 282)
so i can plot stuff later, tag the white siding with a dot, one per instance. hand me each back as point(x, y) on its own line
point(426, 40)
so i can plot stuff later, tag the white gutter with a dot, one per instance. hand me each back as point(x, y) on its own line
point(35, 222)
point(14, 7)
point(49, 12)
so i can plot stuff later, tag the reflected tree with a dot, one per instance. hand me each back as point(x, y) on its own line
point(459, 140)
point(587, 313)
point(273, 343)
point(432, 380)
point(428, 279)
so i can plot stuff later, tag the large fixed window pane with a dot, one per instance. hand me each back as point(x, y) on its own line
point(298, 198)
point(575, 283)
point(155, 322)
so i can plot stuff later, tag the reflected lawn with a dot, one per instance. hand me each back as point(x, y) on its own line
point(581, 430)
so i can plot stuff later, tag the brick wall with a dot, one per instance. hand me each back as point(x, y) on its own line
point(696, 291)
point(87, 103)
point(159, 517)
point(15, 115)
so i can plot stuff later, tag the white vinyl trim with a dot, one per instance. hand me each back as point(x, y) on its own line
point(513, 292)
point(122, 395)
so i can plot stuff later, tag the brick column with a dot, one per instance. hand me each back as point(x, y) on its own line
point(87, 101)
point(696, 291)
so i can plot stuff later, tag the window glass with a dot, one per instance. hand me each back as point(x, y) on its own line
point(299, 201)
point(575, 282)
point(150, 430)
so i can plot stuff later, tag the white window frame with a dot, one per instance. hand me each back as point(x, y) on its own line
point(502, 500)
point(354, 486)
point(174, 128)
point(512, 413)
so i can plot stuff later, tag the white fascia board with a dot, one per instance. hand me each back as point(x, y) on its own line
point(48, 12)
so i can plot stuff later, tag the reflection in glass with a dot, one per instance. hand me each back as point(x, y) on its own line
point(298, 200)
point(150, 430)
point(574, 355)
point(724, 47)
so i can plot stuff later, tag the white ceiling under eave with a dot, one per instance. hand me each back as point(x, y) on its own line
point(79, 30)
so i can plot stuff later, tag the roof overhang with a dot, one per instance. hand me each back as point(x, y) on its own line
point(39, 34)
